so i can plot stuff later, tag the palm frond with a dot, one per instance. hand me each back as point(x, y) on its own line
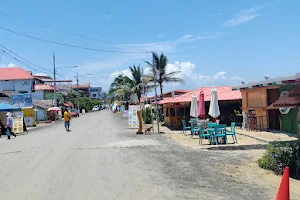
point(173, 80)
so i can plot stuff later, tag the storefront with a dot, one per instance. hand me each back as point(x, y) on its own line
point(178, 108)
point(257, 96)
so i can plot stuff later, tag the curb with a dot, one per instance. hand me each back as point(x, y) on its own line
point(239, 147)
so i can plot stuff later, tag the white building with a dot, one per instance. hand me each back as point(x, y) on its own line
point(96, 92)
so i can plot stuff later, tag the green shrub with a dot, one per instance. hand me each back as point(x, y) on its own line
point(146, 114)
point(279, 155)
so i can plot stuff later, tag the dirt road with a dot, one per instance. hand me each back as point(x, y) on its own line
point(102, 159)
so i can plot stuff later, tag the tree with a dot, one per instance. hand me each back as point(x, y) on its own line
point(136, 81)
point(120, 89)
point(162, 76)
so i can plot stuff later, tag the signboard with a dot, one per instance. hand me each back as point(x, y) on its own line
point(132, 116)
point(22, 100)
point(17, 122)
point(126, 113)
point(284, 111)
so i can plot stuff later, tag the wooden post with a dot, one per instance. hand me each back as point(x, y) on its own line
point(139, 114)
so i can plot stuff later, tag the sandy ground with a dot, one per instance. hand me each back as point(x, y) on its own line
point(248, 172)
point(102, 159)
point(251, 174)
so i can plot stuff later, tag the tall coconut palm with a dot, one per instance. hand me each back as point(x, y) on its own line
point(162, 76)
point(136, 81)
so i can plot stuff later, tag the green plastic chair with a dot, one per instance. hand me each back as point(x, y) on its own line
point(220, 132)
point(185, 127)
point(202, 135)
point(194, 130)
point(232, 132)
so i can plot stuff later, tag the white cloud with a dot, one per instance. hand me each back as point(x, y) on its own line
point(107, 17)
point(121, 60)
point(125, 72)
point(41, 74)
point(10, 65)
point(243, 16)
point(219, 76)
point(186, 68)
point(236, 78)
point(188, 74)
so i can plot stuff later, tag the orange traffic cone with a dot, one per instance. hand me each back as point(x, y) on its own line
point(284, 188)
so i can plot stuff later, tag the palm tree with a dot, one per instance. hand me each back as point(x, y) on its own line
point(162, 76)
point(136, 81)
point(120, 89)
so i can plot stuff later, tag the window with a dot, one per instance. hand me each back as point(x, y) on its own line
point(94, 95)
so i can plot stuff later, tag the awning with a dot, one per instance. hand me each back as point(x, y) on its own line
point(291, 100)
point(5, 107)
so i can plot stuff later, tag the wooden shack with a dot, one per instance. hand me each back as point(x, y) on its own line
point(257, 96)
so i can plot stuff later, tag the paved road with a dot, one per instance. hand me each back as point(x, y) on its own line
point(102, 159)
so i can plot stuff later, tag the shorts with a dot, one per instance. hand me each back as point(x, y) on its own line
point(67, 123)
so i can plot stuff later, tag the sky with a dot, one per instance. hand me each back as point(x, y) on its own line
point(213, 43)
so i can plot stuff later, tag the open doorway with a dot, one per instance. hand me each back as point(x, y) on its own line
point(273, 115)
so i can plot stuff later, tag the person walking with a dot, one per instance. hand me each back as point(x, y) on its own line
point(67, 118)
point(9, 124)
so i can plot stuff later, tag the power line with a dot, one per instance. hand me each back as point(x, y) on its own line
point(16, 59)
point(23, 58)
point(56, 29)
point(70, 45)
point(63, 31)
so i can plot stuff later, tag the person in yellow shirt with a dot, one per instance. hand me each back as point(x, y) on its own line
point(67, 118)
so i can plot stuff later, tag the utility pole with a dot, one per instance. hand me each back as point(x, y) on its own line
point(54, 76)
point(77, 82)
point(142, 108)
point(156, 102)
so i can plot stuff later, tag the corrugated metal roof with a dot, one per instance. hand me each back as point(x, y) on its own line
point(44, 87)
point(45, 104)
point(14, 73)
point(270, 81)
point(81, 86)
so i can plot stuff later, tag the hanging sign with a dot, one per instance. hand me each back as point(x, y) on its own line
point(132, 116)
point(283, 110)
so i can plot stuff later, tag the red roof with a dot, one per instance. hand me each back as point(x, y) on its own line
point(44, 87)
point(14, 73)
point(82, 86)
point(290, 100)
point(224, 93)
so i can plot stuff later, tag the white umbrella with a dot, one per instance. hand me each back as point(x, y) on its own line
point(214, 110)
point(194, 107)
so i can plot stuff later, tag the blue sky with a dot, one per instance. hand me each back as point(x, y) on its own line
point(211, 42)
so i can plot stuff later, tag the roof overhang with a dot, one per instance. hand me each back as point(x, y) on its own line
point(270, 82)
